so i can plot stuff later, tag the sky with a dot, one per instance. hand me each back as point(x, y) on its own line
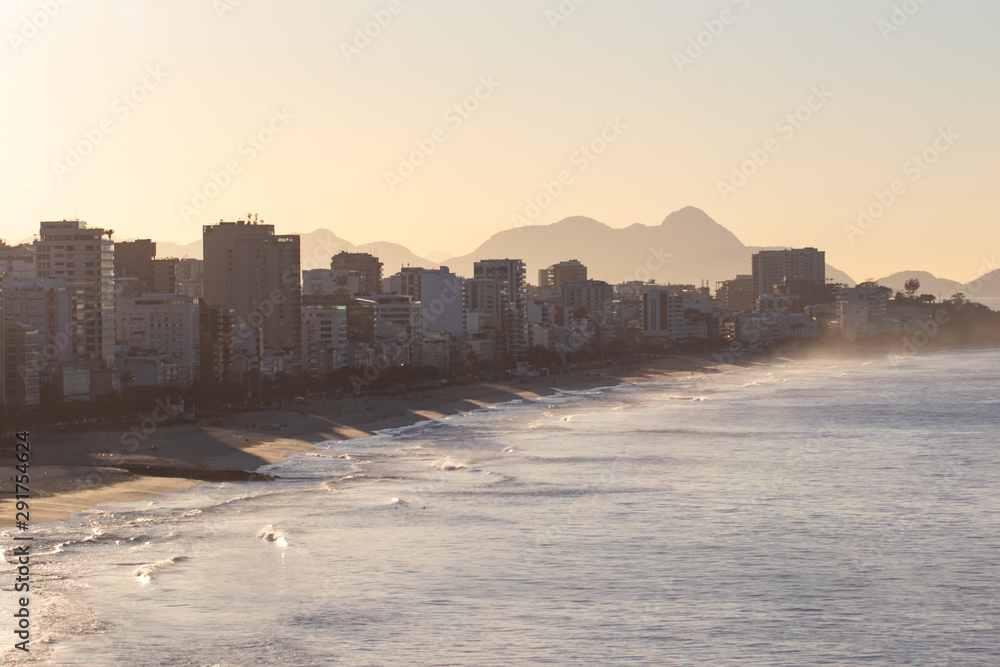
point(866, 128)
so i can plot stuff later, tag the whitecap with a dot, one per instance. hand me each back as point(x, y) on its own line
point(146, 572)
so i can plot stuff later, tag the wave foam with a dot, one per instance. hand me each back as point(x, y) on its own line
point(146, 572)
point(269, 533)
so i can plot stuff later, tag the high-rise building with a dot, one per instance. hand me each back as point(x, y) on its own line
point(165, 276)
point(255, 273)
point(509, 275)
point(362, 264)
point(324, 339)
point(772, 267)
point(663, 314)
point(482, 295)
point(738, 295)
point(45, 305)
point(134, 259)
point(17, 261)
point(189, 276)
point(861, 310)
point(557, 275)
point(596, 297)
point(85, 259)
point(215, 329)
point(407, 281)
point(482, 326)
point(361, 321)
point(440, 294)
point(398, 327)
point(163, 324)
point(19, 345)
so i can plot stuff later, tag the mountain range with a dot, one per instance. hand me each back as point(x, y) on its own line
point(688, 247)
point(988, 286)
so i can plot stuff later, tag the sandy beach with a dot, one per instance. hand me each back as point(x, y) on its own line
point(72, 472)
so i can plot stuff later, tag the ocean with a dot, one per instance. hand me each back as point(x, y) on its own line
point(838, 512)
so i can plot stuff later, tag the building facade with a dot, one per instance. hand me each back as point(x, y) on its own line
point(773, 267)
point(861, 310)
point(509, 275)
point(255, 273)
point(324, 339)
point(557, 275)
point(738, 295)
point(166, 325)
point(596, 297)
point(662, 314)
point(82, 257)
point(20, 346)
point(361, 264)
point(45, 305)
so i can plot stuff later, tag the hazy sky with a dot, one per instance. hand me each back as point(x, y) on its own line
point(119, 112)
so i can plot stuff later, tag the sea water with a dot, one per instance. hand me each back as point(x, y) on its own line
point(841, 512)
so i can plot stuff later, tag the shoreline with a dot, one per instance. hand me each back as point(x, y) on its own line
point(74, 472)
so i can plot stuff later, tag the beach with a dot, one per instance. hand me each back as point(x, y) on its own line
point(74, 471)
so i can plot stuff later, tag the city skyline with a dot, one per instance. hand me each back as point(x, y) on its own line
point(85, 317)
point(814, 130)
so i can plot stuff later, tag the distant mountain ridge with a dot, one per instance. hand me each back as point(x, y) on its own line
point(988, 286)
point(688, 247)
point(929, 283)
point(316, 249)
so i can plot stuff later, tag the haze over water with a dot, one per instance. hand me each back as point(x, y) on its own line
point(818, 512)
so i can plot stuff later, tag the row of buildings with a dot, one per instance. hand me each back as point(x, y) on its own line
point(84, 316)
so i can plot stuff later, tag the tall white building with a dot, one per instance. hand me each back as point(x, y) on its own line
point(861, 310)
point(594, 296)
point(85, 259)
point(324, 339)
point(662, 314)
point(512, 287)
point(398, 327)
point(44, 305)
point(482, 295)
point(164, 325)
